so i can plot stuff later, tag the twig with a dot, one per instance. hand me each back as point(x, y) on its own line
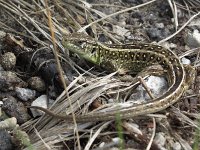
point(145, 87)
point(153, 134)
point(59, 68)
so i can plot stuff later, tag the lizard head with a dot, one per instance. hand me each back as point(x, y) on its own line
point(82, 45)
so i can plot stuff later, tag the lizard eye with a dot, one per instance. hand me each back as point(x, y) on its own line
point(93, 49)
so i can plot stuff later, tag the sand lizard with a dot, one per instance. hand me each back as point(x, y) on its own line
point(130, 58)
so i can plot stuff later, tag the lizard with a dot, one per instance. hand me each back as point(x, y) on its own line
point(130, 58)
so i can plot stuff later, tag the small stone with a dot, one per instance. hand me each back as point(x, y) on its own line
point(169, 45)
point(37, 84)
point(157, 33)
point(14, 108)
point(193, 39)
point(25, 94)
point(160, 139)
point(120, 31)
point(41, 102)
point(185, 61)
point(9, 80)
point(6, 141)
point(2, 34)
point(157, 86)
point(9, 123)
point(159, 25)
point(154, 33)
point(176, 146)
point(8, 60)
point(116, 140)
point(102, 144)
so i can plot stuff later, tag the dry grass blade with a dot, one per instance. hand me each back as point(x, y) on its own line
point(153, 134)
point(119, 12)
point(191, 3)
point(185, 119)
point(88, 146)
point(180, 29)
